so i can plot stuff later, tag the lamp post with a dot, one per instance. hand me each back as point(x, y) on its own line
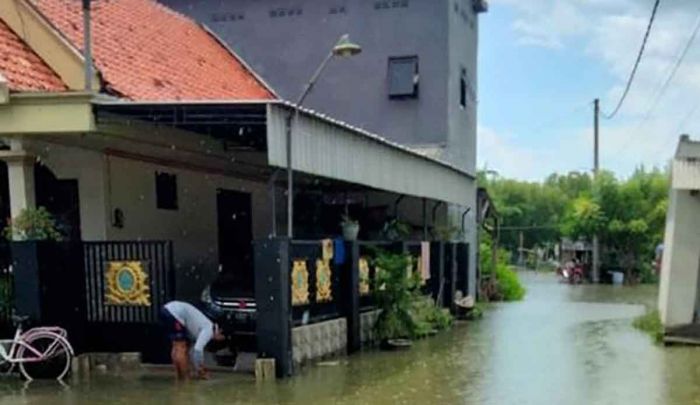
point(343, 48)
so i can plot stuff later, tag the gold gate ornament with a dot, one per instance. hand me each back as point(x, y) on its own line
point(300, 283)
point(127, 284)
point(364, 276)
point(323, 281)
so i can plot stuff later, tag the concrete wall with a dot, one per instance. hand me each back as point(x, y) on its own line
point(285, 51)
point(88, 167)
point(320, 340)
point(462, 47)
point(108, 182)
point(192, 227)
point(678, 291)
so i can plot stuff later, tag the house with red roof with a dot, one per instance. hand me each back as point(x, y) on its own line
point(165, 134)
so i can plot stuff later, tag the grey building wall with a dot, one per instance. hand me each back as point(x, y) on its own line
point(285, 40)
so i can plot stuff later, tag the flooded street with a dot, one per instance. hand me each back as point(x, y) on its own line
point(562, 344)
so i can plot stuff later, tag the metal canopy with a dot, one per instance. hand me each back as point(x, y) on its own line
point(322, 147)
point(329, 148)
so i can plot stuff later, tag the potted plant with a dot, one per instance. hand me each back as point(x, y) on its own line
point(395, 230)
point(350, 228)
point(393, 294)
point(33, 224)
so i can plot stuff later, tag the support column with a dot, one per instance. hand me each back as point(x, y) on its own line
point(273, 296)
point(20, 173)
point(678, 288)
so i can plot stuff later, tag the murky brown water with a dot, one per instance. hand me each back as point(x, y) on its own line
point(563, 344)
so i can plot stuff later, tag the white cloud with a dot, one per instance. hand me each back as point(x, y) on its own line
point(609, 32)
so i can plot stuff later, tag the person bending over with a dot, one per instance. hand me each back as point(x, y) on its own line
point(189, 331)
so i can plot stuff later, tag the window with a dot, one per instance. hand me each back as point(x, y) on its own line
point(463, 89)
point(166, 191)
point(403, 77)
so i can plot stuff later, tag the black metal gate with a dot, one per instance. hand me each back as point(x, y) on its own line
point(67, 284)
point(123, 326)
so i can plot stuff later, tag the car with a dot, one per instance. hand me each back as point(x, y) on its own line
point(232, 305)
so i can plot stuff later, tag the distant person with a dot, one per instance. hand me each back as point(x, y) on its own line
point(190, 331)
point(658, 257)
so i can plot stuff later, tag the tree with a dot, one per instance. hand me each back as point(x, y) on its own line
point(584, 219)
point(628, 214)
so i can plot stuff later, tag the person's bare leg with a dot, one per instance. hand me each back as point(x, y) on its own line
point(180, 360)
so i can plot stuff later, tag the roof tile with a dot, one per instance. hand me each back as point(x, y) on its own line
point(24, 69)
point(148, 52)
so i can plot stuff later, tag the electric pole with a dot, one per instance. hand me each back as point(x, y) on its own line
point(596, 162)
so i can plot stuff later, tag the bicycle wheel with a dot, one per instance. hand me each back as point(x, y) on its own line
point(53, 362)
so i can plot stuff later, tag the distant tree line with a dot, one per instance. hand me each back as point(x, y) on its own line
point(627, 214)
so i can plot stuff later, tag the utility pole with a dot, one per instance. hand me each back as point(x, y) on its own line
point(596, 167)
point(520, 251)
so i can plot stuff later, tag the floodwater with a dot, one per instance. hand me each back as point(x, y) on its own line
point(562, 344)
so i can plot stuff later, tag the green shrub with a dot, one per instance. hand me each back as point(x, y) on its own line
point(503, 283)
point(428, 317)
point(33, 224)
point(647, 275)
point(405, 312)
point(650, 323)
point(393, 294)
point(509, 286)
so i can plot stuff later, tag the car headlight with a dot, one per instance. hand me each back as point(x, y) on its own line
point(206, 296)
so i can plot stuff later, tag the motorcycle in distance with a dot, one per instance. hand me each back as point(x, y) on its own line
point(571, 272)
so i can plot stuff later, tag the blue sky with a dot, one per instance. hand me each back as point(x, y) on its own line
point(541, 64)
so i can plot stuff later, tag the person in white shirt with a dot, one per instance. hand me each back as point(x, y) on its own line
point(187, 326)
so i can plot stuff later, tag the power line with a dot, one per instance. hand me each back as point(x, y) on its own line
point(662, 90)
point(636, 63)
point(678, 63)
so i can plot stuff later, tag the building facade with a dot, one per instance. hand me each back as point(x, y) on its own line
point(414, 83)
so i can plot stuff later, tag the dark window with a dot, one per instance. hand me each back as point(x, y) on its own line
point(403, 77)
point(463, 89)
point(166, 191)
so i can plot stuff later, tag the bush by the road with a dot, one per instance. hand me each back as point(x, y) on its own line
point(509, 285)
point(501, 283)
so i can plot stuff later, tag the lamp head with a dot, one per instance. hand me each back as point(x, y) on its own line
point(346, 48)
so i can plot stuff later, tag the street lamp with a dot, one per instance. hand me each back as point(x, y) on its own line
point(343, 48)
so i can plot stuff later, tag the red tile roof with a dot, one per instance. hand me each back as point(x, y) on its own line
point(22, 68)
point(147, 52)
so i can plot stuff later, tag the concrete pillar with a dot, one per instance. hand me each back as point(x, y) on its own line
point(681, 260)
point(20, 173)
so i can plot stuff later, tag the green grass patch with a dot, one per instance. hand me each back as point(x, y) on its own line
point(650, 323)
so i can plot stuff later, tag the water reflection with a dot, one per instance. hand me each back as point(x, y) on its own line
point(563, 344)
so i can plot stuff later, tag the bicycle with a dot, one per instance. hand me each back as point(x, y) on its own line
point(41, 352)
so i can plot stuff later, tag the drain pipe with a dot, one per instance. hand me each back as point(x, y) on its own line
point(435, 208)
point(396, 205)
point(464, 214)
point(87, 45)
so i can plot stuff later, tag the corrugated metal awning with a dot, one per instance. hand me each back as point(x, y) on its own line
point(328, 148)
point(321, 146)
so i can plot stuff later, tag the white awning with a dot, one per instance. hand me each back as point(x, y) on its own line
point(324, 147)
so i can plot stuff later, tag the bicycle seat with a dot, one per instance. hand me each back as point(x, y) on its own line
point(19, 318)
